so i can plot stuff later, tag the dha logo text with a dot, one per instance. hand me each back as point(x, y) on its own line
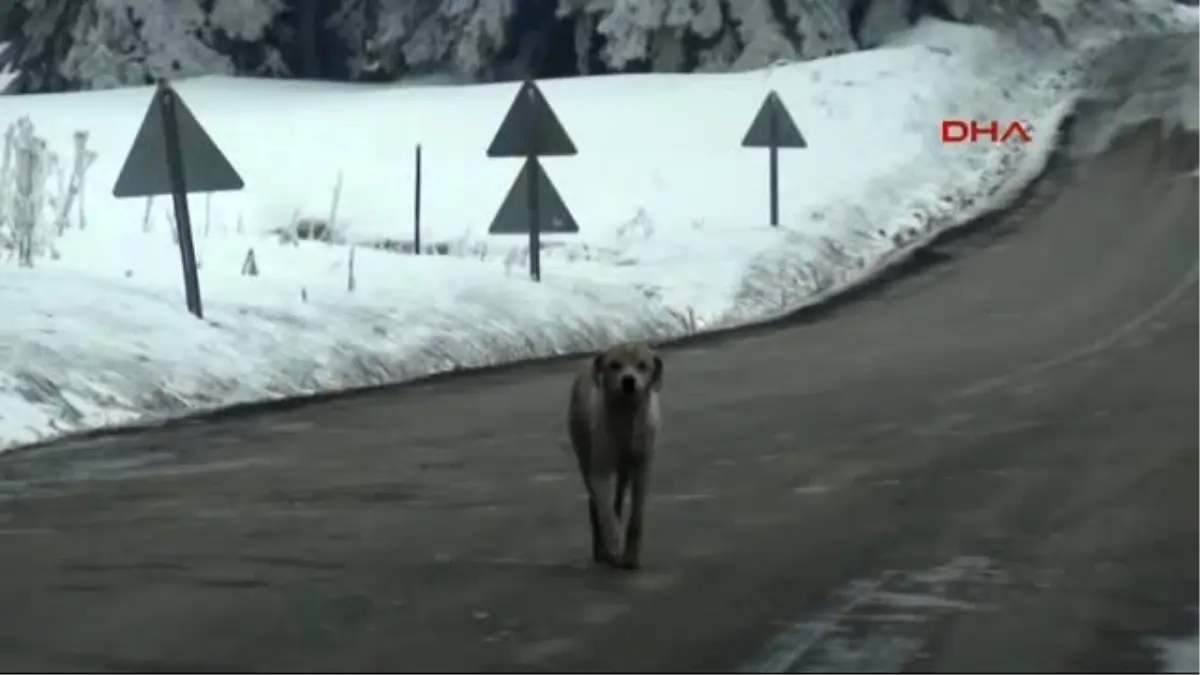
point(971, 131)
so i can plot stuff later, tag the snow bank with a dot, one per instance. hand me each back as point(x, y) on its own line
point(672, 213)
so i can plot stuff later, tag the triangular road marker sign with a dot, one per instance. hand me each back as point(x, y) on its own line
point(773, 126)
point(205, 168)
point(513, 217)
point(530, 114)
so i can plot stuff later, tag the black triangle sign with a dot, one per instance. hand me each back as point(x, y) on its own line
point(773, 126)
point(530, 115)
point(205, 168)
point(553, 215)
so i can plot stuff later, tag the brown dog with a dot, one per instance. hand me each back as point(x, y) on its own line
point(613, 419)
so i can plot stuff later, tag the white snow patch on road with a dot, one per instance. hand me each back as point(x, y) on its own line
point(1179, 655)
point(878, 624)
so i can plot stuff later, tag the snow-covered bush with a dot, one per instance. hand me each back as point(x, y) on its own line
point(25, 168)
point(33, 211)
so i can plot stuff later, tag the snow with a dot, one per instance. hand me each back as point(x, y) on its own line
point(1179, 655)
point(673, 217)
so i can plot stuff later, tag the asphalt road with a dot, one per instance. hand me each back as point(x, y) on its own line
point(987, 465)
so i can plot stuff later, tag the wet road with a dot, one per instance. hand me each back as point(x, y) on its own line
point(989, 464)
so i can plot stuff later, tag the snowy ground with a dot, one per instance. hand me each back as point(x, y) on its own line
point(673, 216)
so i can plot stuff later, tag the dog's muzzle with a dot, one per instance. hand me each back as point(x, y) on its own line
point(629, 384)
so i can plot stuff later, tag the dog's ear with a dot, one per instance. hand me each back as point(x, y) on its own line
point(656, 380)
point(597, 368)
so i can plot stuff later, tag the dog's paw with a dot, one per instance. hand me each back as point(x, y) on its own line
point(605, 558)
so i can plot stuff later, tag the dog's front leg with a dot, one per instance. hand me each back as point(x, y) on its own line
point(631, 556)
point(622, 484)
point(598, 552)
point(602, 486)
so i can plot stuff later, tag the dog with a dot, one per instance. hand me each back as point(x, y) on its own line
point(614, 421)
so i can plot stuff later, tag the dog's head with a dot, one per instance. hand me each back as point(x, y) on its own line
point(628, 372)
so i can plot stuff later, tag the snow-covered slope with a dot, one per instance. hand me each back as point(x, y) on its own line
point(673, 216)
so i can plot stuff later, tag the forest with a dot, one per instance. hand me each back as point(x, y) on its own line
point(70, 45)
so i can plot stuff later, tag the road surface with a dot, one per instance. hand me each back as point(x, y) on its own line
point(989, 464)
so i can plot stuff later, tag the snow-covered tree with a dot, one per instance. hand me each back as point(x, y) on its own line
point(878, 20)
point(105, 52)
point(804, 30)
point(374, 33)
point(653, 31)
point(761, 35)
point(462, 34)
point(482, 28)
point(822, 27)
point(39, 35)
point(682, 35)
point(239, 30)
point(628, 27)
point(584, 28)
point(398, 36)
point(123, 42)
point(67, 44)
point(89, 44)
point(245, 20)
point(7, 73)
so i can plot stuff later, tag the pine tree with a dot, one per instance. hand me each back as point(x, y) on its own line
point(482, 30)
point(821, 27)
point(39, 35)
point(628, 28)
point(375, 32)
point(245, 19)
point(761, 35)
point(129, 42)
point(462, 36)
point(878, 20)
point(239, 31)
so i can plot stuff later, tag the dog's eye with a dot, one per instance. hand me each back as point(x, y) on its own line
point(643, 366)
point(614, 365)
